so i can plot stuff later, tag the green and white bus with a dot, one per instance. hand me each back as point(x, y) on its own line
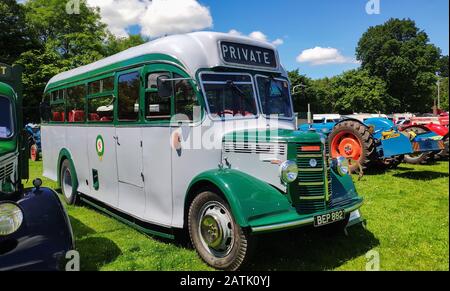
point(193, 132)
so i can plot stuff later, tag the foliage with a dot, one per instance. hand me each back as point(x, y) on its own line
point(15, 34)
point(400, 53)
point(352, 91)
point(396, 203)
point(443, 66)
point(357, 91)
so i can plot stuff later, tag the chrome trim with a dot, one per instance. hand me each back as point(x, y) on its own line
point(299, 222)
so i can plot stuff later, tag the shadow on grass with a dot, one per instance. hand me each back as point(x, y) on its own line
point(422, 175)
point(95, 252)
point(310, 249)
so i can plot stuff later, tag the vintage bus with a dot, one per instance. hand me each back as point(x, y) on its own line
point(193, 132)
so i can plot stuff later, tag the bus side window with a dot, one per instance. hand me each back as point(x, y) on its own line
point(57, 106)
point(128, 91)
point(185, 99)
point(156, 108)
point(75, 104)
point(101, 109)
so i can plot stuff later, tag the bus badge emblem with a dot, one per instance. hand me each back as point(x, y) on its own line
point(100, 147)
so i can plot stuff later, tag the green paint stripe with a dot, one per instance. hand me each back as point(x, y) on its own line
point(127, 222)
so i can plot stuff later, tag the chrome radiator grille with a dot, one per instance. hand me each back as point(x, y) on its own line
point(6, 170)
point(312, 190)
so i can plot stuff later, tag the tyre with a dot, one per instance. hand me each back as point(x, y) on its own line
point(34, 153)
point(68, 183)
point(352, 140)
point(391, 163)
point(444, 153)
point(417, 158)
point(217, 238)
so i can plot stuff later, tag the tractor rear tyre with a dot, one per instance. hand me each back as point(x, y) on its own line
point(352, 140)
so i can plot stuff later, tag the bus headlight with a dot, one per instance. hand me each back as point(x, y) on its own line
point(11, 218)
point(341, 165)
point(288, 171)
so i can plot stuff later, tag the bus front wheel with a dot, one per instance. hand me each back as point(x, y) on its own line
point(215, 235)
point(67, 179)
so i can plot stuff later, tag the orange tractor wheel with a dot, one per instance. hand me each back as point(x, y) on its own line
point(352, 140)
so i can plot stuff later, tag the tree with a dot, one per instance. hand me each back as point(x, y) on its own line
point(399, 53)
point(357, 91)
point(65, 41)
point(15, 34)
point(443, 67)
point(115, 45)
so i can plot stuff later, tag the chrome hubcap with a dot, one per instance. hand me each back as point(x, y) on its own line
point(67, 183)
point(216, 229)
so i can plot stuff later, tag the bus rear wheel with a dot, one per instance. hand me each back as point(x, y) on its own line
point(217, 238)
point(67, 179)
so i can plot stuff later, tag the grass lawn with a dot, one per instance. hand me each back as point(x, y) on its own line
point(407, 216)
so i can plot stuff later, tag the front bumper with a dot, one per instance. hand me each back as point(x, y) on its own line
point(291, 219)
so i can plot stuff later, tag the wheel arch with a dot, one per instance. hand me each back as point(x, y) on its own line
point(247, 196)
point(64, 154)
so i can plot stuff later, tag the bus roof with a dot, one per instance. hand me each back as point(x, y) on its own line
point(192, 51)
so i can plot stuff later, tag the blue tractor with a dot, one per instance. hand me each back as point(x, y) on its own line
point(372, 141)
point(34, 140)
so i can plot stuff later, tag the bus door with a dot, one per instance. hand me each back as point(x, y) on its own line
point(129, 143)
point(157, 111)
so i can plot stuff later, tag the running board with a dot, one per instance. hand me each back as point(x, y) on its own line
point(139, 225)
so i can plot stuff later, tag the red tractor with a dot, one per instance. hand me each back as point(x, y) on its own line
point(418, 125)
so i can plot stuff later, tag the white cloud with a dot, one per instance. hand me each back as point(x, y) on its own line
point(156, 18)
point(324, 56)
point(174, 16)
point(258, 35)
point(278, 42)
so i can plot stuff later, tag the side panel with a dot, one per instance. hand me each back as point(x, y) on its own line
point(53, 140)
point(76, 144)
point(187, 163)
point(158, 174)
point(105, 164)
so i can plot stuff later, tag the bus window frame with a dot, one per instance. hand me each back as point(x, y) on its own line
point(255, 96)
point(14, 118)
point(59, 101)
point(99, 78)
point(111, 93)
point(160, 68)
point(85, 85)
point(260, 100)
point(140, 118)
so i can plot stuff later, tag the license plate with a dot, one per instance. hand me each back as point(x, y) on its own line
point(329, 218)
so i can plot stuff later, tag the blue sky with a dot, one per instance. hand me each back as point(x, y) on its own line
point(318, 37)
point(325, 23)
